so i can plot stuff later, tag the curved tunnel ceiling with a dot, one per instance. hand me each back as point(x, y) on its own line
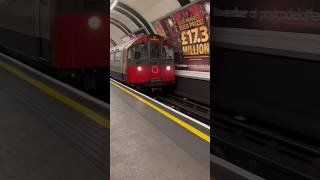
point(131, 15)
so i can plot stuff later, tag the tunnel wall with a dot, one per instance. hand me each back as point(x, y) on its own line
point(274, 91)
point(193, 89)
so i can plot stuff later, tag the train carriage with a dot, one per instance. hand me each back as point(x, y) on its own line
point(66, 37)
point(147, 60)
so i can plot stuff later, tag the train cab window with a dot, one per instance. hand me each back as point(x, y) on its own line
point(155, 50)
point(167, 52)
point(138, 52)
point(95, 4)
point(82, 6)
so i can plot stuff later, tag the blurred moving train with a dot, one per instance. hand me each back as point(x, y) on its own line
point(146, 60)
point(66, 37)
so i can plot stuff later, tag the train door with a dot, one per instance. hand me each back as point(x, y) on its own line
point(155, 61)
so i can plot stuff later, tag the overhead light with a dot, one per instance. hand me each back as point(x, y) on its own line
point(139, 68)
point(168, 68)
point(114, 3)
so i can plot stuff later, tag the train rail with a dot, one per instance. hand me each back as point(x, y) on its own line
point(263, 152)
point(190, 108)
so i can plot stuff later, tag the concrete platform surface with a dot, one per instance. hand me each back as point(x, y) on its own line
point(33, 136)
point(142, 150)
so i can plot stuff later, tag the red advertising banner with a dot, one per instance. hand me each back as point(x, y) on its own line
point(189, 30)
point(301, 16)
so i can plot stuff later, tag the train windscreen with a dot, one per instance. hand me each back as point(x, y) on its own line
point(155, 53)
point(137, 54)
point(167, 52)
point(95, 5)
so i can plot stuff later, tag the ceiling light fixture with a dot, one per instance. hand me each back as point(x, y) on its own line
point(114, 3)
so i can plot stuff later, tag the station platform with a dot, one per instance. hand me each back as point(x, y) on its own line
point(152, 141)
point(49, 130)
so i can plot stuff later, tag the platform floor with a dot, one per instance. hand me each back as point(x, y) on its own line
point(35, 135)
point(146, 145)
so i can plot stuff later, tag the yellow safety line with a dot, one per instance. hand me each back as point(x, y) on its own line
point(165, 113)
point(58, 96)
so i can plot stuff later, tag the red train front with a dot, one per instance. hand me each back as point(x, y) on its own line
point(145, 60)
point(80, 34)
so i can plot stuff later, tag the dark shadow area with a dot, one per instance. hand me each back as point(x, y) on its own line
point(265, 96)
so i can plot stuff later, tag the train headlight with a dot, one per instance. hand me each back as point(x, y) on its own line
point(139, 68)
point(94, 22)
point(168, 68)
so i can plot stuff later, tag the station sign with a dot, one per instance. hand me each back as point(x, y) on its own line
point(189, 30)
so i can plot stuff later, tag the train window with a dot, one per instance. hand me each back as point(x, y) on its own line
point(82, 6)
point(155, 50)
point(95, 4)
point(167, 52)
point(138, 52)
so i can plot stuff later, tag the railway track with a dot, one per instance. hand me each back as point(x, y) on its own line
point(193, 109)
point(262, 151)
point(186, 106)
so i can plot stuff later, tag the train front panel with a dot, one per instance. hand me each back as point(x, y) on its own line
point(80, 36)
point(150, 62)
point(137, 67)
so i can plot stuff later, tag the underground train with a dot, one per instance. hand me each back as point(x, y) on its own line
point(146, 60)
point(66, 37)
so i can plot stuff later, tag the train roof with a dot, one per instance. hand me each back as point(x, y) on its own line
point(121, 46)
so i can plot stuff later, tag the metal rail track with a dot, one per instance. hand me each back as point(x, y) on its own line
point(190, 108)
point(264, 152)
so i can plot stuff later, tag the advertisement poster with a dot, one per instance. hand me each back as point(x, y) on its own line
point(275, 15)
point(189, 30)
